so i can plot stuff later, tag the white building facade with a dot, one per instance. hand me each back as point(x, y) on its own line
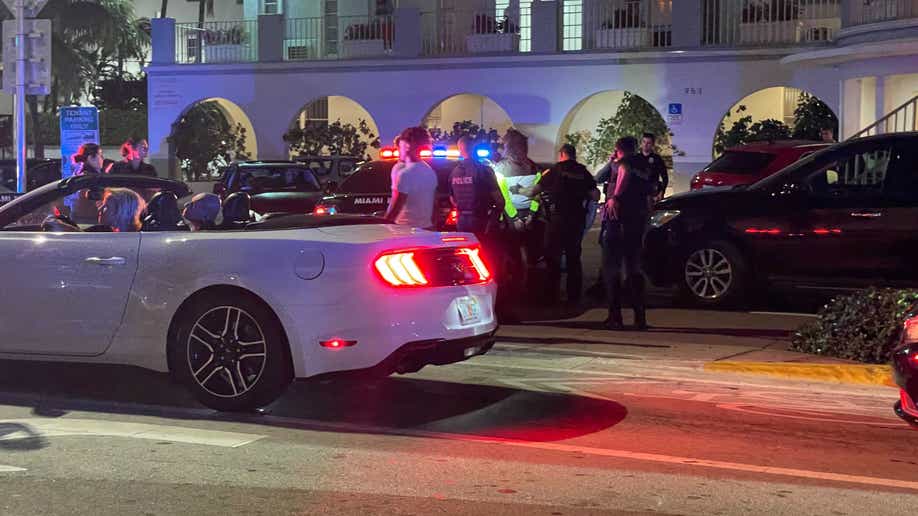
point(548, 68)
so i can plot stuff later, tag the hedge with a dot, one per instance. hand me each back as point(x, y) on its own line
point(863, 326)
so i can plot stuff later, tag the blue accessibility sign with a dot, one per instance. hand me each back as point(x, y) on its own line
point(675, 109)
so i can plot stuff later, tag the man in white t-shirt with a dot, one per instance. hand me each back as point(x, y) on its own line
point(415, 188)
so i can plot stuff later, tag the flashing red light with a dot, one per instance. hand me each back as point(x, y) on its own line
point(321, 210)
point(825, 231)
point(337, 343)
point(756, 231)
point(388, 153)
point(453, 218)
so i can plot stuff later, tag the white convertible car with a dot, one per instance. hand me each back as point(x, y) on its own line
point(235, 313)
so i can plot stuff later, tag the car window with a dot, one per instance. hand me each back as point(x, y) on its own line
point(902, 176)
point(369, 178)
point(855, 173)
point(274, 179)
point(81, 207)
point(741, 162)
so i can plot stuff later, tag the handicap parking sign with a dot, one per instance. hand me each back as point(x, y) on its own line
point(675, 109)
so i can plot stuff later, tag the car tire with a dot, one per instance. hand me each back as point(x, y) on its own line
point(714, 274)
point(231, 352)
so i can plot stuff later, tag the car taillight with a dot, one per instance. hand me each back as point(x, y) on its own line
point(438, 267)
point(696, 182)
point(910, 333)
point(325, 210)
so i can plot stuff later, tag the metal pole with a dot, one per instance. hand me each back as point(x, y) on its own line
point(20, 121)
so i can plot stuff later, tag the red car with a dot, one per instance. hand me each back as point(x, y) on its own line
point(746, 164)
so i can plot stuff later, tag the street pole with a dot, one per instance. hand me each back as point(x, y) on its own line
point(19, 115)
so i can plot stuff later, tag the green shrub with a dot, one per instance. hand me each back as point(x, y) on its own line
point(862, 326)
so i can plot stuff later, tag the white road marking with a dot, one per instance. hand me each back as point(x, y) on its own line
point(102, 428)
point(606, 452)
point(10, 469)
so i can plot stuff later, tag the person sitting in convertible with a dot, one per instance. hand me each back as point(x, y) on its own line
point(201, 212)
point(121, 209)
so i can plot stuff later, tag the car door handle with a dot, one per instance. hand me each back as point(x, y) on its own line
point(867, 214)
point(114, 260)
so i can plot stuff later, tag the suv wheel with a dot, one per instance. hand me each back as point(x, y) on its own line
point(714, 274)
point(231, 353)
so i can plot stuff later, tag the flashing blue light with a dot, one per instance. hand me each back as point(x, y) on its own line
point(483, 153)
point(439, 153)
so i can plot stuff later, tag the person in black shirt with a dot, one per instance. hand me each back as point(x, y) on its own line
point(625, 216)
point(565, 190)
point(655, 164)
point(134, 152)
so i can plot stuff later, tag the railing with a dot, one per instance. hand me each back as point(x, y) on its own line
point(767, 22)
point(366, 36)
point(217, 42)
point(468, 31)
point(862, 12)
point(305, 39)
point(618, 24)
point(900, 120)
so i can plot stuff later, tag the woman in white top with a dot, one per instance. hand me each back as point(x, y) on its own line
point(415, 184)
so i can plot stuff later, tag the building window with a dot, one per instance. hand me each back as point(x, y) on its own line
point(271, 6)
point(572, 23)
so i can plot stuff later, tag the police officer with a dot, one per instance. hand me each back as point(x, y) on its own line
point(565, 188)
point(628, 204)
point(655, 164)
point(478, 200)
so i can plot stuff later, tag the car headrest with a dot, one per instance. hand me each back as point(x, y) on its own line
point(163, 210)
point(236, 208)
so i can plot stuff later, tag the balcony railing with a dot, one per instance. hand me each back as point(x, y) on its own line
point(622, 24)
point(306, 39)
point(862, 12)
point(902, 119)
point(464, 31)
point(217, 42)
point(732, 23)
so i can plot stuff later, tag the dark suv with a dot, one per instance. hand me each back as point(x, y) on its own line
point(275, 186)
point(843, 218)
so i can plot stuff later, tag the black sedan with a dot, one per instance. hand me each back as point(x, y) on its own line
point(843, 218)
point(274, 186)
point(905, 369)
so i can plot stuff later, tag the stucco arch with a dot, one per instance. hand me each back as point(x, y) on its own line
point(332, 108)
point(479, 109)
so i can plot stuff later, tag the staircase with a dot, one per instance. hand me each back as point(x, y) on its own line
point(900, 120)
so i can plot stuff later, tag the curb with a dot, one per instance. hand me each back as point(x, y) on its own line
point(839, 373)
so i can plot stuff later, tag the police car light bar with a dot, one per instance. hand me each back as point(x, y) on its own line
point(483, 152)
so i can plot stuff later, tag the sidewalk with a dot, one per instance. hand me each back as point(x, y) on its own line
point(715, 341)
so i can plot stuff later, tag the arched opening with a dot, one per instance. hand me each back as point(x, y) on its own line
point(208, 136)
point(333, 126)
point(467, 113)
point(596, 122)
point(776, 113)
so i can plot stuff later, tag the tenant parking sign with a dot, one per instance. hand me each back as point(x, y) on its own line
point(674, 114)
point(79, 125)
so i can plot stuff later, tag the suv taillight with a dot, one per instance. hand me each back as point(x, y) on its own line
point(439, 267)
point(696, 182)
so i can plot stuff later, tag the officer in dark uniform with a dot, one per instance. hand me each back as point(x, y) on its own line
point(565, 189)
point(628, 204)
point(655, 164)
point(477, 197)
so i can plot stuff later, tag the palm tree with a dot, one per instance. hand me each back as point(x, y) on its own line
point(89, 39)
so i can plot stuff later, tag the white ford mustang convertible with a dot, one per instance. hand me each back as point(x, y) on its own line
point(236, 312)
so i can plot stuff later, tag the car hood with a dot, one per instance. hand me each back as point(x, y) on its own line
point(709, 198)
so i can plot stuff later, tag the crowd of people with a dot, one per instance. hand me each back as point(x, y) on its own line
point(511, 205)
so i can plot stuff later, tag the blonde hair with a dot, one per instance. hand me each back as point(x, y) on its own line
point(123, 208)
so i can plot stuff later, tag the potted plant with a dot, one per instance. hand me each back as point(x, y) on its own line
point(492, 35)
point(226, 45)
point(368, 39)
point(626, 28)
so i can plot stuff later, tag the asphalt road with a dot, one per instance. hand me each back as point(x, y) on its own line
point(575, 425)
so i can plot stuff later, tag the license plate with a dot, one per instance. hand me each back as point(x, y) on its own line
point(469, 310)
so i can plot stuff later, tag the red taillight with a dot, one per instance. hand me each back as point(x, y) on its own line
point(696, 182)
point(337, 343)
point(757, 231)
point(436, 267)
point(321, 210)
point(453, 218)
point(825, 231)
point(910, 334)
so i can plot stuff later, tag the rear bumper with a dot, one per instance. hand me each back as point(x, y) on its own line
point(414, 356)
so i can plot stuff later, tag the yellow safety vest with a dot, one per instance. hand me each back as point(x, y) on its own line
point(509, 208)
point(534, 204)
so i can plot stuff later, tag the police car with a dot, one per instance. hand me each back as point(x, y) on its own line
point(368, 189)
